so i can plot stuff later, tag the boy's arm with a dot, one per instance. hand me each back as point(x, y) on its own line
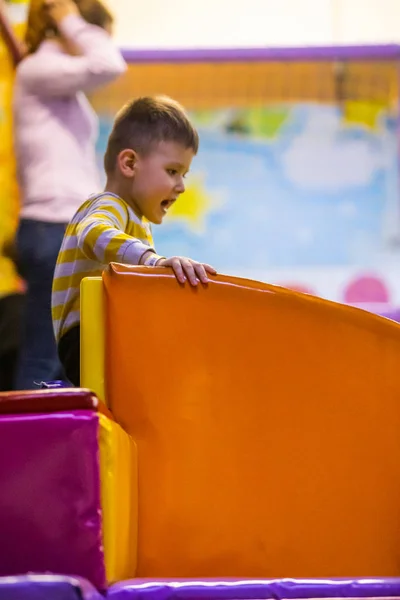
point(101, 237)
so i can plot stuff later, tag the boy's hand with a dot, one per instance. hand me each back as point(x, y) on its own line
point(59, 9)
point(186, 268)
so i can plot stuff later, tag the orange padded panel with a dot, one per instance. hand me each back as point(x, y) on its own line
point(267, 425)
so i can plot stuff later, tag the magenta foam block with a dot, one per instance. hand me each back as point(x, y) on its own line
point(50, 519)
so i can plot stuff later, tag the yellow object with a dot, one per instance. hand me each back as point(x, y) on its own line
point(193, 206)
point(9, 197)
point(118, 461)
point(119, 493)
point(93, 336)
point(364, 113)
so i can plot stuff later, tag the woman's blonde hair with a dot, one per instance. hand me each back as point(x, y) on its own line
point(38, 26)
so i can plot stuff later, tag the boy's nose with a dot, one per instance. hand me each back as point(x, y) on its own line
point(180, 187)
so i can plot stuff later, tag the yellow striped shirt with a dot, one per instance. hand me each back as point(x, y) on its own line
point(105, 229)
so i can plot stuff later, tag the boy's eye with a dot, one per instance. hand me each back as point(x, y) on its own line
point(172, 171)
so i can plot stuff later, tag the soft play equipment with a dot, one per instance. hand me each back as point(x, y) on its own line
point(50, 587)
point(237, 430)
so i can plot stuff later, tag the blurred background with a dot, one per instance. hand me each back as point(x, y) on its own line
point(296, 101)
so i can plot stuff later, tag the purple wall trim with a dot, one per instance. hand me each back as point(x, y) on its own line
point(387, 52)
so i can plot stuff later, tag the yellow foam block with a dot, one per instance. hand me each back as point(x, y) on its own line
point(118, 468)
point(93, 336)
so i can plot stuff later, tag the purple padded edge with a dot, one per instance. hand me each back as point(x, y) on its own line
point(43, 587)
point(50, 503)
point(389, 312)
point(229, 589)
point(386, 52)
point(393, 314)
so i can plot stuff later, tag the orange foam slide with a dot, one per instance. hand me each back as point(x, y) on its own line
point(267, 424)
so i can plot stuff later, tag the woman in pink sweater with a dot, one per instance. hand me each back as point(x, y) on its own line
point(70, 52)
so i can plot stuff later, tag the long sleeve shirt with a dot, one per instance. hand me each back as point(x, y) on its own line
point(55, 128)
point(105, 229)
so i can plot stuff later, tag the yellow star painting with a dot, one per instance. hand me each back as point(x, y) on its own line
point(194, 205)
point(363, 113)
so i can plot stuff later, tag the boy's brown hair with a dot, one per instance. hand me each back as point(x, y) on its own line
point(144, 122)
point(38, 26)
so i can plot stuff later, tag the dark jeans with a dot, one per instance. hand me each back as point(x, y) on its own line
point(37, 247)
point(69, 351)
point(11, 315)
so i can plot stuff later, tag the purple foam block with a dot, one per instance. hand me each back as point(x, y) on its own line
point(50, 495)
point(393, 314)
point(231, 589)
point(46, 587)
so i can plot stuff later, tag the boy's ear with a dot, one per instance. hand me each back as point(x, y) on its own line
point(127, 162)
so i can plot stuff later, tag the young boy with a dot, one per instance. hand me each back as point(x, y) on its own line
point(149, 153)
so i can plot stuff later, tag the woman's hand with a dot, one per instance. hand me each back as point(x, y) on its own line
point(57, 10)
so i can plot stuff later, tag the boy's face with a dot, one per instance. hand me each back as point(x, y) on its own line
point(157, 179)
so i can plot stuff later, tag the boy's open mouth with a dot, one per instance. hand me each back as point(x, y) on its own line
point(166, 204)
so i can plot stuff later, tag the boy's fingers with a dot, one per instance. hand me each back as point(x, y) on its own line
point(184, 268)
point(210, 269)
point(190, 272)
point(201, 272)
point(177, 267)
